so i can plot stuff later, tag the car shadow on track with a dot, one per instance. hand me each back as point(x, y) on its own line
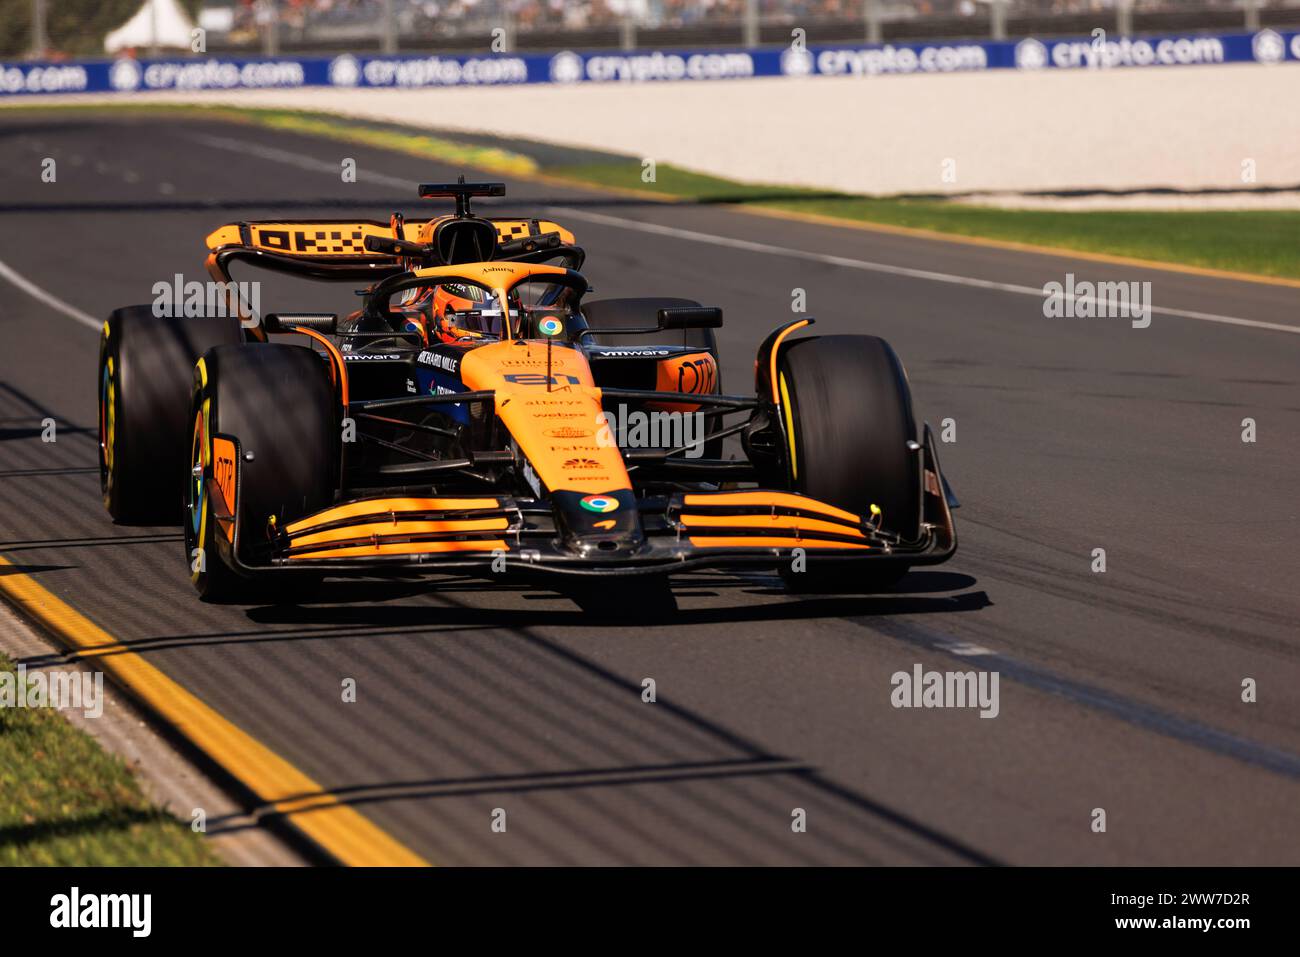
point(697, 600)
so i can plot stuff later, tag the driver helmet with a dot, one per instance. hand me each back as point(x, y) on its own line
point(457, 313)
point(449, 312)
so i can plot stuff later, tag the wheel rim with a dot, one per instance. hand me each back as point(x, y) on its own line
point(196, 488)
point(107, 423)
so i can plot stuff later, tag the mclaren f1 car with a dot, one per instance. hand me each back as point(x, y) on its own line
point(479, 414)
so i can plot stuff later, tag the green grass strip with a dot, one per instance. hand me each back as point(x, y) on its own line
point(65, 801)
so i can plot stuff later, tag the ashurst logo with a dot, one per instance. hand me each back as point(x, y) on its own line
point(134, 911)
point(946, 689)
point(195, 300)
point(1101, 300)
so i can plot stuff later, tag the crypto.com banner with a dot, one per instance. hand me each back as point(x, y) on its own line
point(414, 71)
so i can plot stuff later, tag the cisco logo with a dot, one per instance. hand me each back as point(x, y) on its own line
point(796, 62)
point(566, 67)
point(1030, 54)
point(1267, 46)
point(344, 71)
point(124, 75)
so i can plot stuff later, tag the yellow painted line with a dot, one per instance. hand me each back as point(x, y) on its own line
point(344, 833)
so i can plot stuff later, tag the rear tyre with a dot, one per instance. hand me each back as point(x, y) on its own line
point(848, 413)
point(638, 313)
point(146, 365)
point(278, 402)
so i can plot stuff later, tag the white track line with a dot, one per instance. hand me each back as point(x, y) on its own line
point(755, 247)
point(51, 300)
point(302, 161)
point(311, 163)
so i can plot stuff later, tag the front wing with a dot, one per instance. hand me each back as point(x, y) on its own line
point(495, 534)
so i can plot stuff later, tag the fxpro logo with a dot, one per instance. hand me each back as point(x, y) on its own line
point(891, 59)
point(74, 909)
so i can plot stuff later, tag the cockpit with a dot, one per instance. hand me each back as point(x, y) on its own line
point(463, 304)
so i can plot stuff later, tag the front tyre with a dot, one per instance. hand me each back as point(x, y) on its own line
point(852, 441)
point(277, 401)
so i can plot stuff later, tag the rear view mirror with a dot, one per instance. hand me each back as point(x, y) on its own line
point(395, 247)
point(691, 317)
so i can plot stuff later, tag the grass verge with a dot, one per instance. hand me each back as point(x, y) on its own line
point(65, 801)
point(1259, 242)
point(1262, 242)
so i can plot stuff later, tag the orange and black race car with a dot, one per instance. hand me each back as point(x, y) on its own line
point(477, 415)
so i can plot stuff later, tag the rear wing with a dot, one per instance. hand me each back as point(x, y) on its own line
point(350, 249)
